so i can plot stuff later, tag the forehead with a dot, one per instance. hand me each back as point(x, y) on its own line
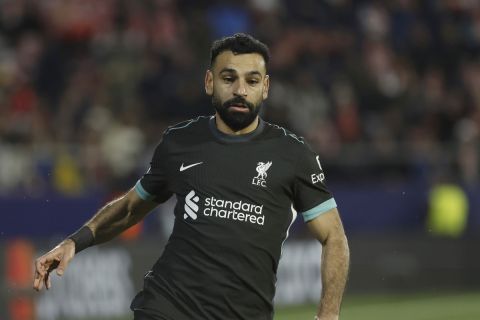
point(242, 63)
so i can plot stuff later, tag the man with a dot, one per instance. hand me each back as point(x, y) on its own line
point(237, 180)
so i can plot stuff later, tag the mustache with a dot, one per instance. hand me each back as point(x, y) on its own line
point(238, 101)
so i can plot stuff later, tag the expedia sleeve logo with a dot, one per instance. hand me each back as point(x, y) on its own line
point(223, 209)
point(318, 177)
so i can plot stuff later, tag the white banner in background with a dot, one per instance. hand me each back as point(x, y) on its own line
point(298, 276)
point(94, 284)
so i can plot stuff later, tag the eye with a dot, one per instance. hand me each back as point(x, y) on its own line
point(253, 82)
point(228, 79)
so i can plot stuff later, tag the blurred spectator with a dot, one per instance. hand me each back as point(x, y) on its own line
point(379, 88)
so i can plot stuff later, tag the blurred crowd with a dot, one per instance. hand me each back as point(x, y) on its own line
point(381, 89)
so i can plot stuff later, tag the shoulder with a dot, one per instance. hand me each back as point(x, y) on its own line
point(284, 135)
point(289, 142)
point(183, 133)
point(187, 127)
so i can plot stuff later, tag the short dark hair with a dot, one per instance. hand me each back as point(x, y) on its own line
point(239, 43)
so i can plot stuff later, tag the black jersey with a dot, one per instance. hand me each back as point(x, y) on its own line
point(237, 196)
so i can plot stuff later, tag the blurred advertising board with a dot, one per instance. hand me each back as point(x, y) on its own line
point(101, 281)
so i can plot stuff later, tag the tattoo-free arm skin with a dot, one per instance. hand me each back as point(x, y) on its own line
point(328, 229)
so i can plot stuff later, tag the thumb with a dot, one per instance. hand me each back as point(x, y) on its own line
point(67, 254)
point(62, 266)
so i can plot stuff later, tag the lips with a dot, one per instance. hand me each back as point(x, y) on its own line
point(238, 105)
point(238, 108)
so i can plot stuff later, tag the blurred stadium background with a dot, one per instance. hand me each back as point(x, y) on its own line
point(388, 92)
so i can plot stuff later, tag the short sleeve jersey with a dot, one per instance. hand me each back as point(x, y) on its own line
point(237, 197)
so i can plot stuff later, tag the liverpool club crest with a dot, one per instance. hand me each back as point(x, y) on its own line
point(261, 178)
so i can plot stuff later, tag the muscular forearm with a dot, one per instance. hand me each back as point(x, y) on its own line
point(115, 217)
point(335, 264)
point(109, 221)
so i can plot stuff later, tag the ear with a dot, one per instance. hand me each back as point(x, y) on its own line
point(266, 86)
point(209, 82)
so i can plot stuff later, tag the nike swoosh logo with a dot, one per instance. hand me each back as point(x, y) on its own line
point(182, 168)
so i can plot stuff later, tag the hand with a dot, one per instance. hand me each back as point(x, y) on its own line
point(57, 258)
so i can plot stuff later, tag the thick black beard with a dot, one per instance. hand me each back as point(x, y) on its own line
point(233, 119)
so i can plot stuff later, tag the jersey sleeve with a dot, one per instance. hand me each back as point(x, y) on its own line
point(311, 196)
point(153, 186)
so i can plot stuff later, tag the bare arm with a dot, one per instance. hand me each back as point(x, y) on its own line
point(328, 229)
point(108, 222)
point(118, 215)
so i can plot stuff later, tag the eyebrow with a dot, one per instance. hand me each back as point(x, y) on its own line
point(250, 73)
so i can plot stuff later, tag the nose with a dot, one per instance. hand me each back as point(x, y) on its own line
point(241, 89)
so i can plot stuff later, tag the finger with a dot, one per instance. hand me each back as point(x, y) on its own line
point(62, 265)
point(40, 266)
point(39, 274)
point(40, 285)
point(48, 283)
point(36, 282)
point(43, 263)
point(53, 266)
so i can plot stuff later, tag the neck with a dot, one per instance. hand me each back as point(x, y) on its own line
point(223, 127)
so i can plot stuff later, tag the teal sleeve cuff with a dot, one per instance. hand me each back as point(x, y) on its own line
point(319, 209)
point(142, 193)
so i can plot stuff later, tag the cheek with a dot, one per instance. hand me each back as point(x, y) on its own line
point(218, 92)
point(261, 94)
point(257, 99)
point(220, 95)
point(222, 89)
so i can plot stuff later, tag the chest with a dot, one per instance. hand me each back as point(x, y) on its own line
point(256, 172)
point(233, 192)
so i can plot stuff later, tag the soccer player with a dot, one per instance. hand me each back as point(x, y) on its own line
point(239, 182)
